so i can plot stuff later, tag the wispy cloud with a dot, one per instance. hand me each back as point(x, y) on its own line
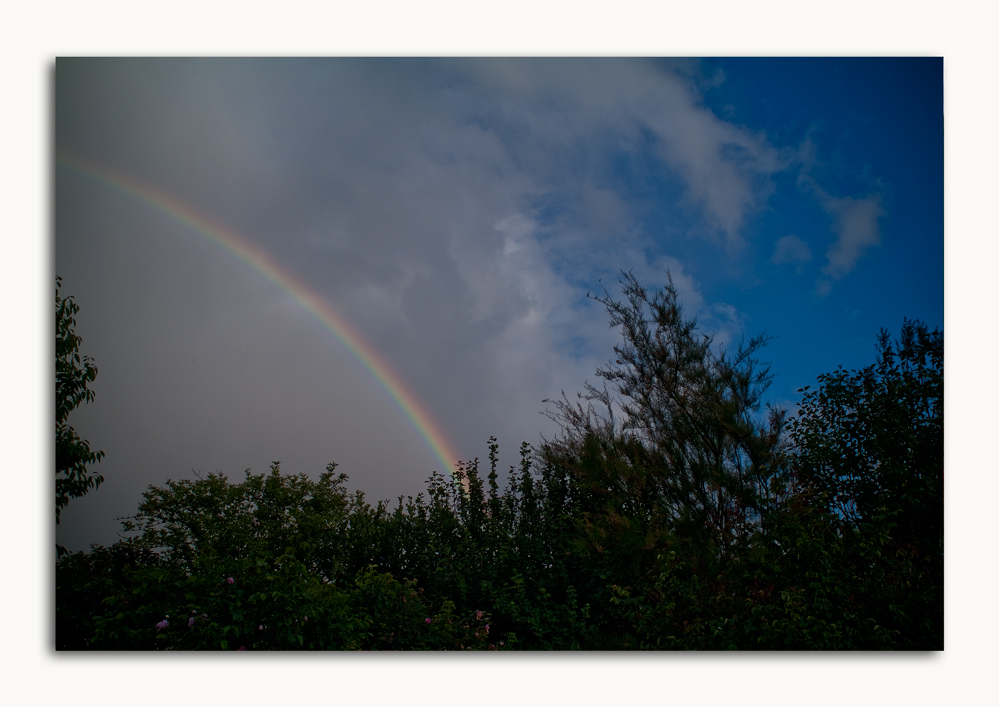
point(857, 229)
point(791, 249)
point(855, 221)
point(577, 113)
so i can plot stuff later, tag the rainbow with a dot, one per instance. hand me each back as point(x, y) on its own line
point(315, 305)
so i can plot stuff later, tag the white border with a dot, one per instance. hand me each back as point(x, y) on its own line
point(963, 34)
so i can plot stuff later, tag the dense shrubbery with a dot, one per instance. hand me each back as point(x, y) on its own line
point(265, 564)
point(688, 520)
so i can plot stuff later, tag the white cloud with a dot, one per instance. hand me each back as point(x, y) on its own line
point(791, 249)
point(727, 169)
point(855, 220)
point(856, 228)
point(562, 109)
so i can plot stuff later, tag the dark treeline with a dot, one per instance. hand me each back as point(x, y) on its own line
point(672, 511)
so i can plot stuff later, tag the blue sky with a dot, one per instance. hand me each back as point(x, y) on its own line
point(457, 212)
point(874, 128)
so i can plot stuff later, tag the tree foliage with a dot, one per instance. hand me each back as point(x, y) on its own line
point(693, 456)
point(73, 375)
point(871, 441)
point(264, 564)
point(869, 444)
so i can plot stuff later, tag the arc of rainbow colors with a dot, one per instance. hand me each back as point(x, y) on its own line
point(257, 259)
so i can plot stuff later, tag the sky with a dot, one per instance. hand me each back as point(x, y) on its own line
point(383, 262)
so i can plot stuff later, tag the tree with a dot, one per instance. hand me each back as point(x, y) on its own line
point(869, 444)
point(691, 450)
point(73, 376)
point(871, 441)
point(673, 483)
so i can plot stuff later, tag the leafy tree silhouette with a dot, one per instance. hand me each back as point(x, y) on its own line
point(73, 374)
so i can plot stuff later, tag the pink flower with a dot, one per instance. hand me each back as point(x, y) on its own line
point(241, 648)
point(162, 625)
point(428, 620)
point(190, 622)
point(260, 627)
point(230, 580)
point(492, 646)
